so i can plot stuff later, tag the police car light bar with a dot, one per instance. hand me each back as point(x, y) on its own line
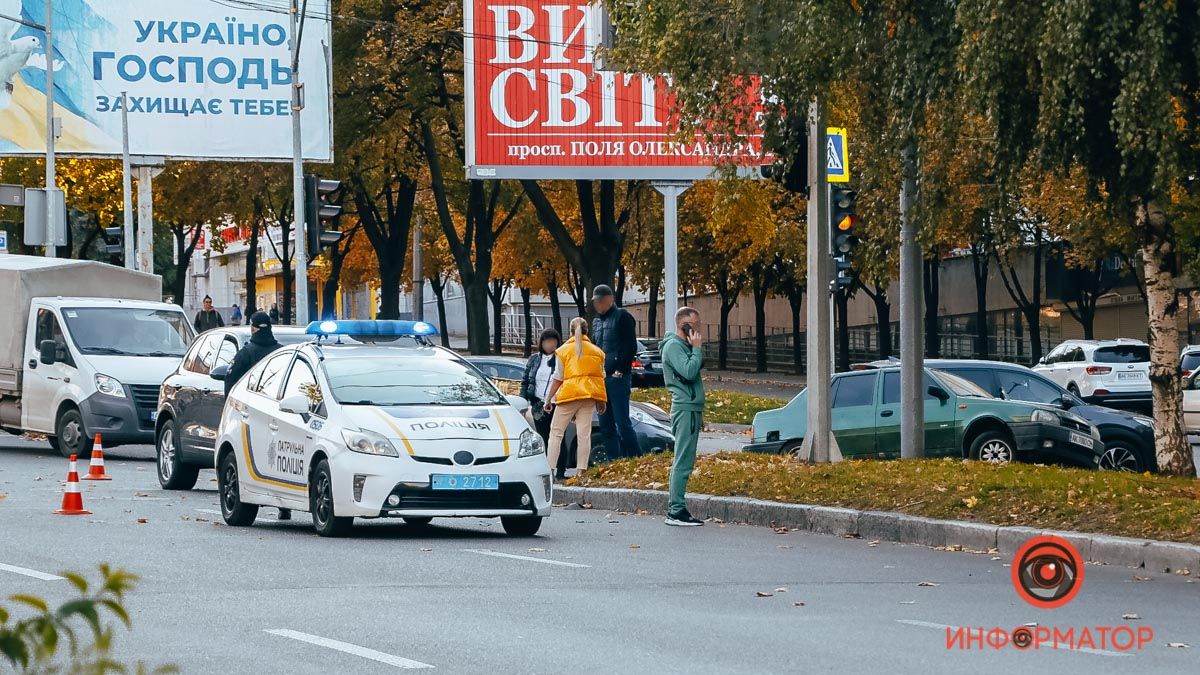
point(372, 328)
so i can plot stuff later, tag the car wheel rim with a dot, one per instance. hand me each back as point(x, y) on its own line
point(166, 454)
point(995, 452)
point(229, 488)
point(71, 434)
point(324, 499)
point(1119, 458)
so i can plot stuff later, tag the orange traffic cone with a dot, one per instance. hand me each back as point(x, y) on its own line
point(96, 468)
point(72, 504)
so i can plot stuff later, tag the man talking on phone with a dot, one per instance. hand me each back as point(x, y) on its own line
point(682, 357)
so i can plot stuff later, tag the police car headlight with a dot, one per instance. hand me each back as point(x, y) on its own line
point(531, 444)
point(369, 443)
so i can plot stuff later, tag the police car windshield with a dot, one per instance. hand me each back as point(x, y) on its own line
point(408, 381)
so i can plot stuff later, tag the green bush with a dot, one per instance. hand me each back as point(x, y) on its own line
point(75, 637)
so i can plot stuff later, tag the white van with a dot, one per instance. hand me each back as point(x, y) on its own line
point(86, 352)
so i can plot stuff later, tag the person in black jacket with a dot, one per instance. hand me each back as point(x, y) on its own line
point(207, 318)
point(615, 331)
point(539, 371)
point(262, 342)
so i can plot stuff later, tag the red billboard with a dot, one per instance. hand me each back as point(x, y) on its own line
point(537, 107)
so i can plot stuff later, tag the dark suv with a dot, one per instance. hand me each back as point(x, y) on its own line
point(191, 399)
point(1128, 438)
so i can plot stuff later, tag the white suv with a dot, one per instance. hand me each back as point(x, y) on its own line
point(1101, 371)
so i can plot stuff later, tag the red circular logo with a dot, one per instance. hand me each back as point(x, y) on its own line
point(1047, 571)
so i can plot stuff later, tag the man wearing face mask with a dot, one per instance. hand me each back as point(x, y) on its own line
point(615, 331)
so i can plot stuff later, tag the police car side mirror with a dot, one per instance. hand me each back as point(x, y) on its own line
point(297, 405)
point(518, 402)
point(219, 373)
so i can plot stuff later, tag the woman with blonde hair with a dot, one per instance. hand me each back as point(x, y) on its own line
point(576, 393)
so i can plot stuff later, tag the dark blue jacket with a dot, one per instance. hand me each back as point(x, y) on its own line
point(616, 333)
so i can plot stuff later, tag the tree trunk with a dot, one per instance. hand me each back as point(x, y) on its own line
point(252, 270)
point(476, 292)
point(525, 308)
point(883, 314)
point(723, 333)
point(619, 291)
point(390, 278)
point(795, 299)
point(439, 292)
point(979, 263)
point(1158, 257)
point(555, 306)
point(652, 309)
point(933, 341)
point(497, 293)
point(760, 287)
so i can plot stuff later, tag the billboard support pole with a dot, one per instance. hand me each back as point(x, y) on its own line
point(127, 185)
point(145, 215)
point(299, 227)
point(671, 190)
point(51, 179)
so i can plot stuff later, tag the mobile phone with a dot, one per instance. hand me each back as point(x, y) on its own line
point(687, 329)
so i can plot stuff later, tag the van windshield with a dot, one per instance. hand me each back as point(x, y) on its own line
point(128, 331)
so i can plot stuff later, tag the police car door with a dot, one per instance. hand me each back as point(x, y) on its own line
point(295, 441)
point(263, 425)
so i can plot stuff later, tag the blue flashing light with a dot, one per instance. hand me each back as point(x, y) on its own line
point(395, 329)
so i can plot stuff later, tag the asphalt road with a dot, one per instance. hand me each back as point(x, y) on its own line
point(597, 592)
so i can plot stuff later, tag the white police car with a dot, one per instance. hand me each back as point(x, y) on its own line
point(403, 429)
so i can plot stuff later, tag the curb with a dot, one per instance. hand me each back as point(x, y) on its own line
point(1154, 556)
point(726, 427)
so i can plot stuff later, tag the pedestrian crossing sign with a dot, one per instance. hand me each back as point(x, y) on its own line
point(837, 156)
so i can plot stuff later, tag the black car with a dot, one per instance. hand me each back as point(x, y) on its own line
point(647, 365)
point(1128, 437)
point(191, 399)
point(651, 424)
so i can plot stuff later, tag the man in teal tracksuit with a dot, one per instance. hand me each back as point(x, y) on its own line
point(682, 358)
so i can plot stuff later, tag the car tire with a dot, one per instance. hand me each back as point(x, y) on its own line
point(53, 441)
point(1073, 389)
point(173, 474)
point(791, 447)
point(521, 526)
point(235, 512)
point(71, 436)
point(418, 521)
point(993, 447)
point(1121, 455)
point(321, 506)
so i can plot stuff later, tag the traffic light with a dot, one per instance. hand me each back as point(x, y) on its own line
point(320, 214)
point(844, 222)
point(114, 241)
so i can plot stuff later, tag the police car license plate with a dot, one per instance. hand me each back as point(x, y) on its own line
point(474, 481)
point(1085, 441)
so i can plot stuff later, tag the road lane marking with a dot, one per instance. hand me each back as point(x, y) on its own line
point(546, 561)
point(942, 626)
point(29, 573)
point(346, 647)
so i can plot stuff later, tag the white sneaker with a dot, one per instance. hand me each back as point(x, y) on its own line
point(571, 473)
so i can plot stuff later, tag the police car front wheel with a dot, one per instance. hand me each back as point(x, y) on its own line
point(233, 510)
point(320, 498)
point(521, 526)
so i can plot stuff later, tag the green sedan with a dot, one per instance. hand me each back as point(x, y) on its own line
point(961, 420)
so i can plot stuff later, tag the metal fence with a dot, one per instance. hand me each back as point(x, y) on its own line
point(742, 347)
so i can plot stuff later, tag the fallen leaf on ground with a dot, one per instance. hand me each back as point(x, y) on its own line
point(763, 594)
point(781, 590)
point(996, 557)
point(201, 520)
point(537, 550)
point(784, 546)
point(908, 602)
point(927, 583)
point(1178, 645)
point(426, 550)
point(142, 520)
point(140, 494)
point(1130, 617)
point(635, 546)
point(1137, 578)
point(1183, 572)
point(797, 604)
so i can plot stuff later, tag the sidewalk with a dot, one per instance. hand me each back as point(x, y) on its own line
point(777, 385)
